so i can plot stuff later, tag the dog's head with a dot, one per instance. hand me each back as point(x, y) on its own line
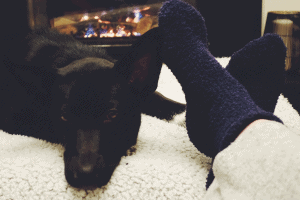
point(99, 109)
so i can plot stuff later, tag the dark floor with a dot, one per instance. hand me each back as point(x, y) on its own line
point(292, 88)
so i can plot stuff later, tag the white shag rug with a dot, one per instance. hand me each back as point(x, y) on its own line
point(166, 165)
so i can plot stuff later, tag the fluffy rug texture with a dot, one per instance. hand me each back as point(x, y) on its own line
point(165, 165)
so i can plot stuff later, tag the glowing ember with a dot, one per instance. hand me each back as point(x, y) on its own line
point(118, 31)
point(105, 22)
point(84, 18)
point(109, 33)
point(146, 8)
point(121, 32)
point(90, 32)
point(136, 34)
point(128, 19)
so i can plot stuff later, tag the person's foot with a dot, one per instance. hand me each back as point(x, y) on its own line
point(259, 67)
point(218, 106)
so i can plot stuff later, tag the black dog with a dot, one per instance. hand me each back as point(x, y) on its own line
point(55, 88)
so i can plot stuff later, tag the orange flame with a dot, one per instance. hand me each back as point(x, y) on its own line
point(84, 18)
point(146, 8)
point(128, 19)
point(105, 22)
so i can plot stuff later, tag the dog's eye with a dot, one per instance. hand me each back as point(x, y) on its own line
point(63, 118)
point(112, 114)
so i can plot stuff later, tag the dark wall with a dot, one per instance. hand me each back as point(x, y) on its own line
point(231, 23)
point(16, 20)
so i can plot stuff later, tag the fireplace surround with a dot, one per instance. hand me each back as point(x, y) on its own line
point(114, 25)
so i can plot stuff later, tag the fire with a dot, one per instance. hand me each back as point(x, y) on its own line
point(133, 21)
point(90, 32)
point(146, 8)
point(136, 34)
point(105, 22)
point(84, 18)
point(137, 15)
point(128, 19)
point(121, 32)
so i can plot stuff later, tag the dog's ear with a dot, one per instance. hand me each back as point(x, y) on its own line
point(42, 54)
point(141, 66)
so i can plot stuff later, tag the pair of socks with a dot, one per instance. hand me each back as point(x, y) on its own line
point(221, 103)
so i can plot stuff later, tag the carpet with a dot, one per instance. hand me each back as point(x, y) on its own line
point(165, 165)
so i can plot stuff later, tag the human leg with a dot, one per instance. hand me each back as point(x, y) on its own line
point(213, 96)
point(259, 67)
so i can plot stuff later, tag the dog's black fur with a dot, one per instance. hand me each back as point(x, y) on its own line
point(55, 88)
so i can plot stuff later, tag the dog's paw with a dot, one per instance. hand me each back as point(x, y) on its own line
point(131, 151)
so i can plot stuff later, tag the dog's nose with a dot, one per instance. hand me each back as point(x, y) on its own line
point(88, 169)
point(85, 171)
point(88, 162)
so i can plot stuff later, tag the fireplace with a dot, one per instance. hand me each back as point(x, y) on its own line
point(238, 22)
point(114, 25)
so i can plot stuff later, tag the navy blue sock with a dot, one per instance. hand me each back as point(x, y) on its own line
point(218, 106)
point(259, 67)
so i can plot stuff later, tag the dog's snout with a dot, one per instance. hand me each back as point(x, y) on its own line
point(87, 163)
point(86, 170)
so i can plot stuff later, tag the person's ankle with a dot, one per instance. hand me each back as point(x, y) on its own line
point(253, 124)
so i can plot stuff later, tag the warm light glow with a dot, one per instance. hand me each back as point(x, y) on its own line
point(136, 20)
point(109, 33)
point(128, 19)
point(90, 35)
point(105, 22)
point(122, 33)
point(84, 18)
point(146, 8)
point(136, 11)
point(96, 17)
point(136, 34)
point(137, 15)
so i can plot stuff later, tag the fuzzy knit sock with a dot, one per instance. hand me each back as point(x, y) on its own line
point(259, 67)
point(218, 106)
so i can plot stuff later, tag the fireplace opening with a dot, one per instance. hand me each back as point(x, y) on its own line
point(114, 25)
point(107, 27)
